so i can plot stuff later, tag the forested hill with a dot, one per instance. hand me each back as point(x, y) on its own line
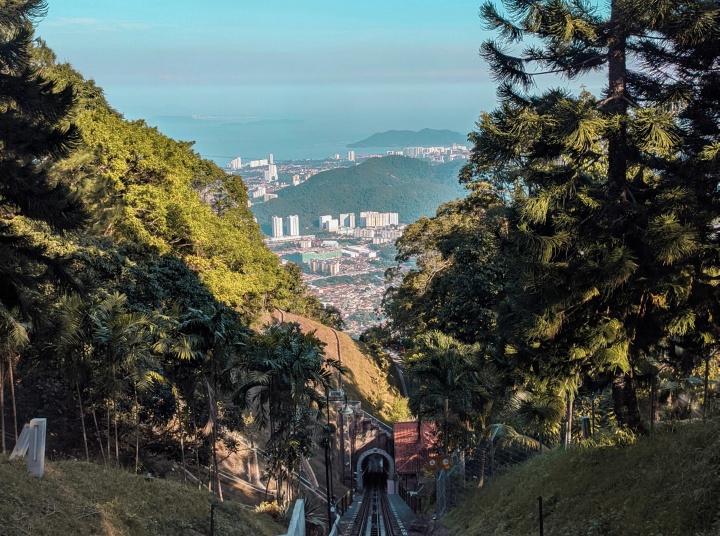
point(411, 187)
point(426, 137)
point(155, 197)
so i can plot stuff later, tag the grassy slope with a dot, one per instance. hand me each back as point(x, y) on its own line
point(80, 498)
point(664, 485)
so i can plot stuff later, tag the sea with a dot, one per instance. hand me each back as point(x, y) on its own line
point(222, 139)
point(297, 122)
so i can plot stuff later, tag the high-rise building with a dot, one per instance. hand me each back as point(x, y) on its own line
point(351, 156)
point(293, 225)
point(324, 220)
point(235, 164)
point(351, 222)
point(277, 226)
point(295, 180)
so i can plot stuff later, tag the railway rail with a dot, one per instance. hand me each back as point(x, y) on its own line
point(375, 516)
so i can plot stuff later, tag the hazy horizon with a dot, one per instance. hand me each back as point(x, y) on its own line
point(326, 73)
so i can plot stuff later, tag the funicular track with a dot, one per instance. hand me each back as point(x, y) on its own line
point(375, 516)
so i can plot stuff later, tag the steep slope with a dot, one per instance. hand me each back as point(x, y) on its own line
point(666, 484)
point(365, 379)
point(408, 186)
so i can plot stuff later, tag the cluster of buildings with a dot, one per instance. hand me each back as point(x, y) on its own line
point(371, 225)
point(367, 220)
point(435, 154)
point(290, 228)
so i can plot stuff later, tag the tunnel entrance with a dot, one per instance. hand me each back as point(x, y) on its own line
point(375, 467)
point(374, 472)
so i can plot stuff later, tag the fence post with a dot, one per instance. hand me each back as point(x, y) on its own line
point(542, 531)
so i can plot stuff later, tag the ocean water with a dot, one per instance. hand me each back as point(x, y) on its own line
point(299, 121)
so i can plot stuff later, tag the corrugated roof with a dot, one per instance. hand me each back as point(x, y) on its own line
point(412, 449)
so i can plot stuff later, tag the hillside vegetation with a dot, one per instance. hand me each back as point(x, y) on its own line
point(664, 484)
point(408, 186)
point(364, 379)
point(82, 499)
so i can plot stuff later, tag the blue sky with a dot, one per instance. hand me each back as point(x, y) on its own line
point(368, 65)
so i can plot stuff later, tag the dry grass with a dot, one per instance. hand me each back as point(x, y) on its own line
point(81, 498)
point(667, 484)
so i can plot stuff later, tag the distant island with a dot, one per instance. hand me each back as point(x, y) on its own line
point(427, 137)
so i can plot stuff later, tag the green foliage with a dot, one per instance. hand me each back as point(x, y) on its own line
point(287, 376)
point(458, 278)
point(34, 132)
point(610, 242)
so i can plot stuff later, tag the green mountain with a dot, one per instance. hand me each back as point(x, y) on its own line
point(411, 187)
point(427, 137)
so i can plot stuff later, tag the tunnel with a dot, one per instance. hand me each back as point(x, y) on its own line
point(375, 472)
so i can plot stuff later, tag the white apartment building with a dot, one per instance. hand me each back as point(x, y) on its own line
point(277, 227)
point(293, 225)
point(347, 220)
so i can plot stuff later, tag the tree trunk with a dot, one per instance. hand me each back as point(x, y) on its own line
point(115, 426)
point(705, 388)
point(256, 468)
point(12, 396)
point(617, 102)
point(108, 429)
point(99, 436)
point(568, 432)
point(82, 421)
point(182, 453)
point(137, 433)
point(481, 477)
point(625, 403)
point(2, 405)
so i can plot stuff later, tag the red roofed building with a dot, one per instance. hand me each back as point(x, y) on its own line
point(413, 446)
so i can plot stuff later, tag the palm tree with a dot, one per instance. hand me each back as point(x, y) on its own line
point(540, 407)
point(110, 351)
point(13, 337)
point(286, 376)
point(446, 382)
point(213, 338)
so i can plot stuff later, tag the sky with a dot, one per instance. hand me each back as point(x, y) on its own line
point(344, 70)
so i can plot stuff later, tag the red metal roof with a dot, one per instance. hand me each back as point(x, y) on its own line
point(412, 450)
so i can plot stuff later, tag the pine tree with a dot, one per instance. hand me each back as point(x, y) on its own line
point(612, 228)
point(34, 132)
